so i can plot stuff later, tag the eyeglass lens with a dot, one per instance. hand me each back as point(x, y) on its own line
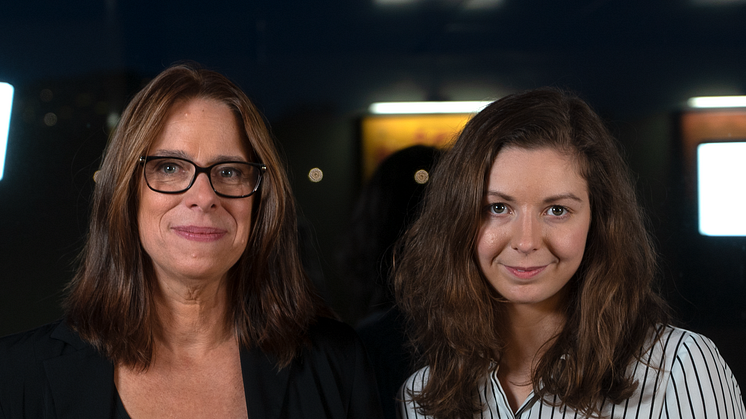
point(176, 175)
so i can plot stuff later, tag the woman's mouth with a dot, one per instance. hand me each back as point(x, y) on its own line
point(199, 234)
point(525, 272)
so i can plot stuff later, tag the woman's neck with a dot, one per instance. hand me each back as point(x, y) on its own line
point(528, 331)
point(196, 367)
point(529, 328)
point(191, 317)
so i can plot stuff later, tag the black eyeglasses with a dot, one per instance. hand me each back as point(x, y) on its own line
point(229, 179)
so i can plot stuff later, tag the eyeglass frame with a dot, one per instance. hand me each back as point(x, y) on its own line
point(207, 171)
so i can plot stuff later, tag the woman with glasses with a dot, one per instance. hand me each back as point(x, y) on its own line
point(527, 281)
point(190, 299)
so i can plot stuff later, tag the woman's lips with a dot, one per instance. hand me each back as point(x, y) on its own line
point(199, 234)
point(525, 272)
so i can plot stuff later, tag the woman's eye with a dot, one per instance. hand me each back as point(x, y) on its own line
point(557, 210)
point(228, 172)
point(170, 168)
point(498, 208)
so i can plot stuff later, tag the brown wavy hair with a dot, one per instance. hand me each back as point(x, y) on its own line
point(454, 315)
point(271, 302)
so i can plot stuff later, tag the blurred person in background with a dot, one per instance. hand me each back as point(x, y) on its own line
point(387, 204)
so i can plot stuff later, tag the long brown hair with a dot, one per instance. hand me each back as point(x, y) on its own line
point(110, 303)
point(453, 312)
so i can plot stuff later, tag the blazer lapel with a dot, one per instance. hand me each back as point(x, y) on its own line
point(81, 380)
point(264, 386)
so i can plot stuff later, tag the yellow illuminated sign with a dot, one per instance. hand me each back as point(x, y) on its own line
point(383, 135)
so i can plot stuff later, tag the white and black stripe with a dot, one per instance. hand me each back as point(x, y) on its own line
point(682, 376)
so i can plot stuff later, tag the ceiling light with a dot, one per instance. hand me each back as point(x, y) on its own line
point(717, 102)
point(393, 108)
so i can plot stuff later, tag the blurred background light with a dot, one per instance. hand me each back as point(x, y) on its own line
point(717, 2)
point(315, 175)
point(421, 176)
point(393, 108)
point(50, 119)
point(393, 2)
point(721, 188)
point(482, 4)
point(466, 4)
point(717, 102)
point(6, 103)
point(112, 120)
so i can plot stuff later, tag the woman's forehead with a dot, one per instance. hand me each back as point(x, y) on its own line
point(201, 126)
point(544, 171)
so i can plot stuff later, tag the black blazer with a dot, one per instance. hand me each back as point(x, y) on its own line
point(50, 372)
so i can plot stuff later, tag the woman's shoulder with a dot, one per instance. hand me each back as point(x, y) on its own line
point(325, 328)
point(415, 383)
point(333, 350)
point(334, 366)
point(24, 352)
point(685, 371)
point(674, 351)
point(38, 342)
point(30, 364)
point(406, 406)
point(675, 343)
point(329, 336)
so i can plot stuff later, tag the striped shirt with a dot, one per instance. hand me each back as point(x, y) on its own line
point(682, 376)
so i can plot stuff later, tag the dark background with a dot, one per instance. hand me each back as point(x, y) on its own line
point(313, 67)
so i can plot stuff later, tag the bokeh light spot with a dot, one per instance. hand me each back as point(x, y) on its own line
point(50, 119)
point(315, 175)
point(421, 176)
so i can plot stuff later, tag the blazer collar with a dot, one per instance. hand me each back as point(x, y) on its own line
point(81, 380)
point(264, 386)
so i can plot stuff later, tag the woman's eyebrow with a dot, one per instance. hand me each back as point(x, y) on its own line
point(183, 155)
point(170, 153)
point(229, 158)
point(568, 195)
point(547, 200)
point(502, 196)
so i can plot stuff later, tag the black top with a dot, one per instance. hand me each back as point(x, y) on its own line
point(50, 372)
point(120, 411)
point(384, 337)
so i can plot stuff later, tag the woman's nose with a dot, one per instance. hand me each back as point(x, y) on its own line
point(201, 193)
point(526, 235)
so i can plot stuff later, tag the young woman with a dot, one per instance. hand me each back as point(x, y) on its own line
point(527, 281)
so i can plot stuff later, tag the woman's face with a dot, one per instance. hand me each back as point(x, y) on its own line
point(535, 221)
point(195, 235)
